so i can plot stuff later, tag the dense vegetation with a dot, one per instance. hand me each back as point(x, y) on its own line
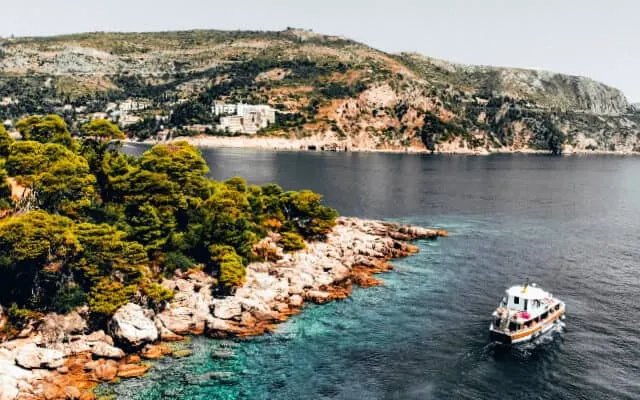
point(98, 227)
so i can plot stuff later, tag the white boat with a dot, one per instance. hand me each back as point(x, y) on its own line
point(525, 313)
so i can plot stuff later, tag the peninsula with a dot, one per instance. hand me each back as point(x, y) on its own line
point(105, 259)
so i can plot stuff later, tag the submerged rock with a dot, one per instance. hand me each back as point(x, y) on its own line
point(132, 370)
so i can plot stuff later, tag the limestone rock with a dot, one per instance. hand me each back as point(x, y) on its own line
point(296, 300)
point(10, 376)
point(132, 328)
point(132, 370)
point(106, 371)
point(104, 350)
point(55, 328)
point(72, 393)
point(52, 391)
point(227, 308)
point(31, 356)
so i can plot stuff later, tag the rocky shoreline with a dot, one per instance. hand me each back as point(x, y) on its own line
point(316, 144)
point(60, 358)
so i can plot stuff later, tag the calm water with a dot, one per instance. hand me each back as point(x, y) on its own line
point(571, 224)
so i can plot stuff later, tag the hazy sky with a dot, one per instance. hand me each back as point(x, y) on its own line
point(599, 39)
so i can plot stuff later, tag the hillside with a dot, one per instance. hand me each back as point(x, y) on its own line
point(327, 88)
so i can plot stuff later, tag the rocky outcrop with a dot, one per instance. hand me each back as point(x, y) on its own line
point(62, 361)
point(324, 271)
point(131, 327)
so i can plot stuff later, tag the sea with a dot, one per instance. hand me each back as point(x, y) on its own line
point(571, 224)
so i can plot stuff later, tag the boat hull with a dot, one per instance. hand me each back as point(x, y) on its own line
point(508, 338)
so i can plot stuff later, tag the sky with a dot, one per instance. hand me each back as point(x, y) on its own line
point(598, 39)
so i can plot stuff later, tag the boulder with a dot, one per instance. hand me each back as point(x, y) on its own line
point(99, 336)
point(52, 391)
point(106, 371)
point(55, 328)
point(219, 327)
point(182, 320)
point(132, 328)
point(72, 393)
point(296, 300)
point(104, 350)
point(88, 396)
point(10, 376)
point(155, 352)
point(318, 296)
point(227, 308)
point(132, 370)
point(31, 356)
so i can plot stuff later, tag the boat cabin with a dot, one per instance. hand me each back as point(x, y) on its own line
point(526, 298)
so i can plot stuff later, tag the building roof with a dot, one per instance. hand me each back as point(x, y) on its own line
point(530, 292)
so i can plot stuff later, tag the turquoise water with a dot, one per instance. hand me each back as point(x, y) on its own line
point(569, 224)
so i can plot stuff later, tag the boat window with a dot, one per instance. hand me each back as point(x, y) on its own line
point(512, 326)
point(525, 304)
point(544, 316)
point(557, 306)
point(516, 300)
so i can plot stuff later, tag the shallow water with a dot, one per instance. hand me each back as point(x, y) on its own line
point(568, 223)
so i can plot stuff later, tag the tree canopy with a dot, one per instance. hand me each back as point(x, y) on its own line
point(102, 228)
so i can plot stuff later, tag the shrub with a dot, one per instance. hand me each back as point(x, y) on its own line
point(175, 260)
point(156, 294)
point(19, 317)
point(292, 241)
point(107, 296)
point(231, 270)
point(68, 298)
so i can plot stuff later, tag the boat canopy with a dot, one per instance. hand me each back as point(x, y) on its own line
point(527, 292)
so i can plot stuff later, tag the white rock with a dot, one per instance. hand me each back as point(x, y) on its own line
point(10, 378)
point(296, 300)
point(131, 327)
point(227, 308)
point(31, 356)
point(104, 350)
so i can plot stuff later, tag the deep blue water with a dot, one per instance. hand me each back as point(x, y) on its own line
point(569, 223)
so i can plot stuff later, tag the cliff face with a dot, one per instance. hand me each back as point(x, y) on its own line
point(328, 88)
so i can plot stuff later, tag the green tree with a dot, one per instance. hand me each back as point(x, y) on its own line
point(100, 137)
point(48, 129)
point(182, 163)
point(231, 270)
point(59, 179)
point(33, 245)
point(306, 215)
point(108, 295)
point(5, 142)
point(101, 130)
point(5, 190)
point(107, 251)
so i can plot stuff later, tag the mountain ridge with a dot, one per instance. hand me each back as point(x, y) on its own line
point(337, 88)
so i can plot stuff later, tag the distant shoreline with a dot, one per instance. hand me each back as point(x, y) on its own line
point(314, 145)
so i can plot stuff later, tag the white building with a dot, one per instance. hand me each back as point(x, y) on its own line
point(224, 109)
point(248, 118)
point(133, 105)
point(231, 123)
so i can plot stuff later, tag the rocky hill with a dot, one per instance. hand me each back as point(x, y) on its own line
point(329, 88)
